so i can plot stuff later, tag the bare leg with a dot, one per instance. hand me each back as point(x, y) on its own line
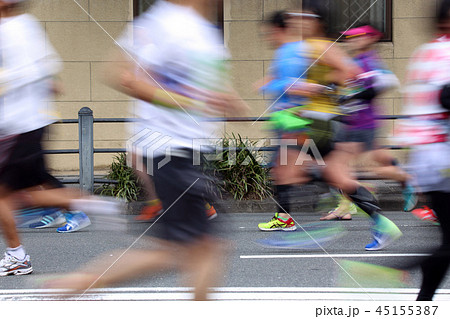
point(133, 264)
point(204, 264)
point(144, 178)
point(106, 271)
point(7, 222)
point(149, 185)
point(59, 197)
point(290, 171)
point(387, 170)
point(201, 262)
point(337, 173)
point(360, 195)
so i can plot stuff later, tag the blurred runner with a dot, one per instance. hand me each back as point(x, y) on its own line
point(289, 63)
point(427, 101)
point(179, 76)
point(359, 128)
point(312, 125)
point(29, 65)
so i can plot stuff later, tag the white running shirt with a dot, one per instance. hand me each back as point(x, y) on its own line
point(27, 64)
point(185, 53)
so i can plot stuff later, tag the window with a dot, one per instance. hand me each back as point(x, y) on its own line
point(142, 5)
point(343, 13)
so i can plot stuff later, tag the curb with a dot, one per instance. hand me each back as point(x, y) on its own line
point(389, 195)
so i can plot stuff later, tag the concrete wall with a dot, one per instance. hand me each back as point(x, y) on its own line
point(83, 46)
point(250, 55)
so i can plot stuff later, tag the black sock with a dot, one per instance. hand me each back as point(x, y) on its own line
point(282, 196)
point(366, 201)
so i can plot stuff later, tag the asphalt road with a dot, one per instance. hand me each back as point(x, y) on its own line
point(254, 271)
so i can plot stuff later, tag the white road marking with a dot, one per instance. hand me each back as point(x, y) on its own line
point(226, 293)
point(330, 255)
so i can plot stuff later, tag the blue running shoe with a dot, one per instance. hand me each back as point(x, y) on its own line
point(54, 219)
point(378, 241)
point(381, 240)
point(384, 233)
point(410, 197)
point(27, 216)
point(75, 221)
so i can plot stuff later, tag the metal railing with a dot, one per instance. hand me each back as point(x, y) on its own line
point(86, 148)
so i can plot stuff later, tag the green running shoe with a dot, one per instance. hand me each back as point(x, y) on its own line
point(410, 197)
point(276, 223)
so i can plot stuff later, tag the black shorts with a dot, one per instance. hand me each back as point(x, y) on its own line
point(22, 164)
point(183, 190)
point(364, 136)
point(320, 138)
point(322, 133)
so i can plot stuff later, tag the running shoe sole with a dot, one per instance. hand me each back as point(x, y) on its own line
point(17, 272)
point(212, 216)
point(292, 228)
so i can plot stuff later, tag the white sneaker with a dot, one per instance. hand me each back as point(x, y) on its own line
point(10, 265)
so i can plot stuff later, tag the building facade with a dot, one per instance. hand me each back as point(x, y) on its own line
point(83, 35)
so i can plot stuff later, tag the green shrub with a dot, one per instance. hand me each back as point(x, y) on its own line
point(241, 175)
point(128, 186)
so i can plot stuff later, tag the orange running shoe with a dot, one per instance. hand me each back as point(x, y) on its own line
point(210, 211)
point(427, 214)
point(151, 210)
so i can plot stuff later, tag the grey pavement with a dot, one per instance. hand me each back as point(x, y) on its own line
point(250, 264)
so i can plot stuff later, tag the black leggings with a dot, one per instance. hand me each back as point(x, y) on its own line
point(435, 267)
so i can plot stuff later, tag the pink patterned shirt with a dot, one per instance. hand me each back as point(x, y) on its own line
point(428, 72)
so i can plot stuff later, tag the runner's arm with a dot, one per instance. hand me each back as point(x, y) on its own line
point(344, 68)
point(127, 77)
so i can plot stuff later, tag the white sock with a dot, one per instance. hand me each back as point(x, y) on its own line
point(18, 252)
